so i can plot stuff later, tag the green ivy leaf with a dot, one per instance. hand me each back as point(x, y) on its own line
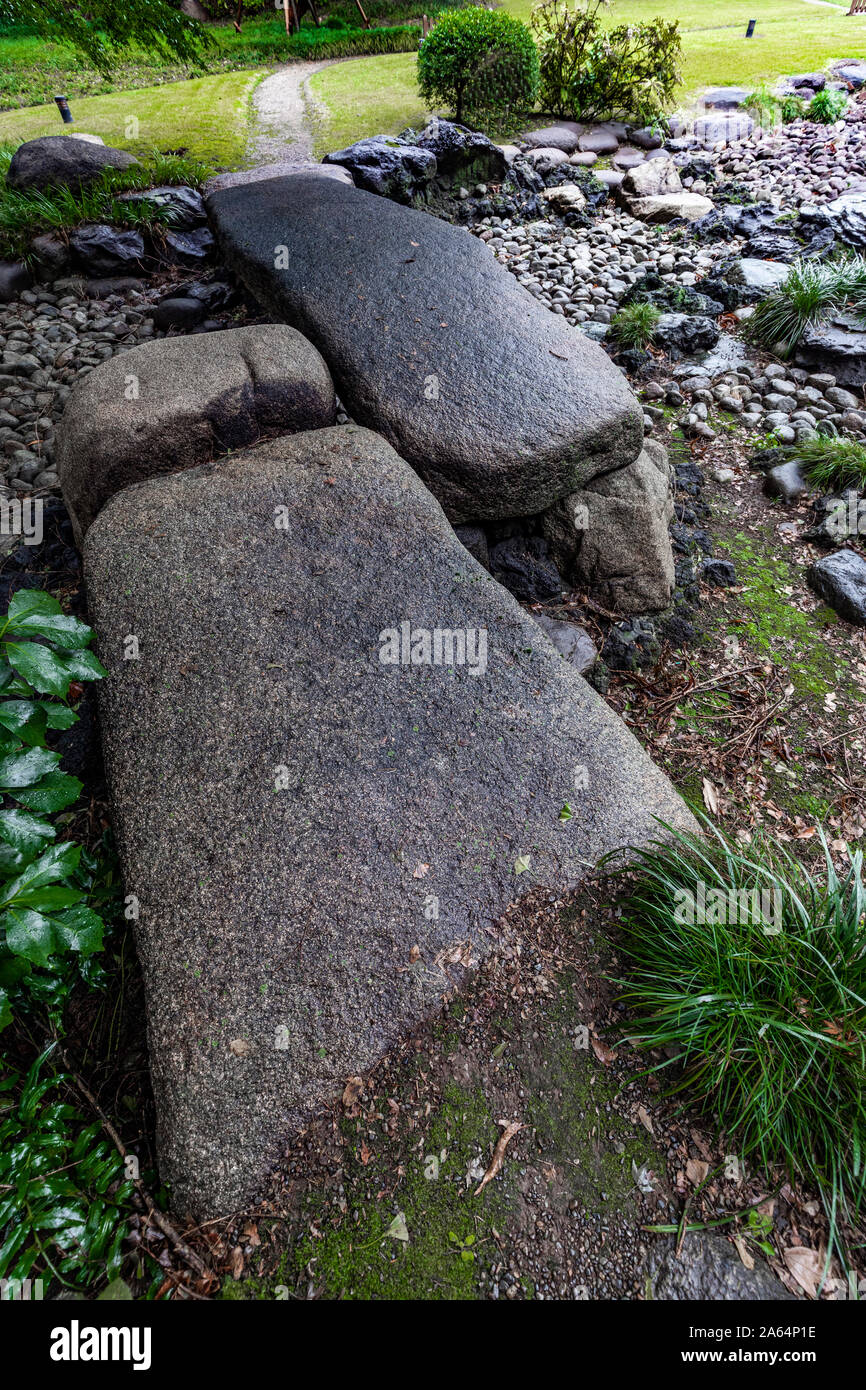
point(79, 929)
point(29, 934)
point(58, 716)
point(24, 831)
point(53, 793)
point(24, 769)
point(42, 668)
point(37, 614)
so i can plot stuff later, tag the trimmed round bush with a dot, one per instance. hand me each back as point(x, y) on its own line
point(478, 62)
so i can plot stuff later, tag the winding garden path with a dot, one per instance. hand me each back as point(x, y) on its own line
point(280, 132)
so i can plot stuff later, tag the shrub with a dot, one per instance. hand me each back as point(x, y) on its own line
point(826, 106)
point(633, 325)
point(46, 924)
point(62, 1186)
point(763, 1016)
point(479, 62)
point(592, 73)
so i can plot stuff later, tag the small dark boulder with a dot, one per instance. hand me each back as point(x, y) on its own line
point(62, 161)
point(683, 334)
point(389, 166)
point(98, 249)
point(178, 312)
point(524, 567)
point(840, 580)
point(719, 573)
point(14, 277)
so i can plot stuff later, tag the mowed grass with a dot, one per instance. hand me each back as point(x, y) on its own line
point(208, 117)
point(367, 96)
point(364, 96)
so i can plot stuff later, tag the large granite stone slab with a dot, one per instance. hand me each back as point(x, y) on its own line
point(320, 837)
point(498, 404)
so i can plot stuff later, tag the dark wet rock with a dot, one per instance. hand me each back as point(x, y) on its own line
point(600, 140)
point(773, 246)
point(631, 645)
point(684, 334)
point(499, 405)
point(840, 580)
point(651, 289)
point(523, 565)
point(646, 139)
point(14, 277)
point(720, 573)
point(187, 247)
point(708, 1269)
point(461, 153)
point(837, 346)
point(178, 312)
point(98, 249)
point(278, 780)
point(51, 255)
point(846, 216)
point(62, 161)
point(387, 165)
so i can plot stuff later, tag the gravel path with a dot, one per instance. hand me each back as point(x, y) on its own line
point(280, 132)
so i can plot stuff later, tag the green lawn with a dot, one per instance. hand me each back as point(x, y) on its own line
point(363, 97)
point(378, 94)
point(208, 116)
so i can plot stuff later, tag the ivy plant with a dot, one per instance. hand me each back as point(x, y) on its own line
point(44, 912)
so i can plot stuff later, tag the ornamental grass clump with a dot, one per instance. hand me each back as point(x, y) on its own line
point(748, 971)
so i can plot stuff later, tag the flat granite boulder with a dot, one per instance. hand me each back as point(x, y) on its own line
point(498, 404)
point(62, 161)
point(177, 402)
point(340, 752)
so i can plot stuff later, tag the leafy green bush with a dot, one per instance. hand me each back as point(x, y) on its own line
point(634, 324)
point(826, 106)
point(478, 62)
point(44, 915)
point(62, 1189)
point(590, 73)
point(759, 1002)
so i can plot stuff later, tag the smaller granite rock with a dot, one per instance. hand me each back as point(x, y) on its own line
point(62, 161)
point(601, 140)
point(571, 640)
point(565, 197)
point(683, 334)
point(184, 206)
point(14, 277)
point(786, 481)
point(840, 580)
point(562, 136)
point(388, 166)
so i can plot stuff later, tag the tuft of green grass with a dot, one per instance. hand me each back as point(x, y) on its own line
point(633, 325)
point(832, 462)
point(826, 106)
point(25, 213)
point(811, 290)
point(759, 1000)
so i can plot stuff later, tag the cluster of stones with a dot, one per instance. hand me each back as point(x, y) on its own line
point(286, 940)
